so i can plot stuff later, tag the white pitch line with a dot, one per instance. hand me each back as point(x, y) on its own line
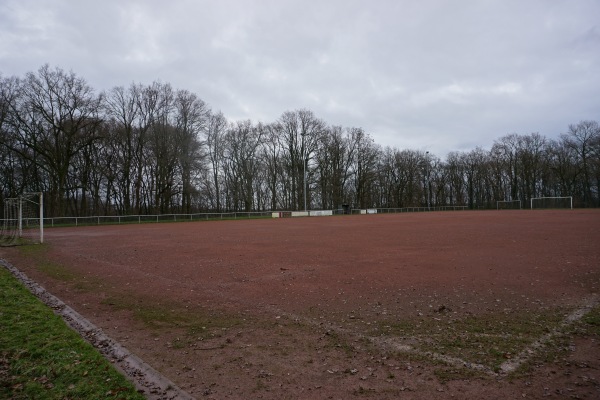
point(506, 368)
point(454, 361)
point(388, 343)
point(512, 365)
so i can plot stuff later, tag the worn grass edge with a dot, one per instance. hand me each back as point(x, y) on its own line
point(41, 357)
point(145, 378)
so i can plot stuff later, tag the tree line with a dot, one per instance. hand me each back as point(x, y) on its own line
point(147, 149)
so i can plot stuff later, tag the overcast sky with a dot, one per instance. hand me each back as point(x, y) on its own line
point(428, 75)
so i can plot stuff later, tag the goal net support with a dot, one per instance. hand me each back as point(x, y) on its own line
point(23, 220)
point(552, 202)
point(508, 205)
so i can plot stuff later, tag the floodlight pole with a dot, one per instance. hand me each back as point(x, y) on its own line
point(20, 218)
point(41, 217)
point(304, 167)
point(427, 189)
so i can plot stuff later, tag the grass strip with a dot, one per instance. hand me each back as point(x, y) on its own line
point(42, 358)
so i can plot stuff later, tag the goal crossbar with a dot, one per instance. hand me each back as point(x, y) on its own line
point(553, 202)
point(508, 204)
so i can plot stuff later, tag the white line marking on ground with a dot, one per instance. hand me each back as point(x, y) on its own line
point(512, 365)
point(506, 368)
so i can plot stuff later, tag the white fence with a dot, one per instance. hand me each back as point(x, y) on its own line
point(320, 213)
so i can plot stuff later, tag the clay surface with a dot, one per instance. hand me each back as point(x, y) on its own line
point(289, 308)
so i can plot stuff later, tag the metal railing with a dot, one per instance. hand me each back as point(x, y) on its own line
point(420, 209)
point(138, 219)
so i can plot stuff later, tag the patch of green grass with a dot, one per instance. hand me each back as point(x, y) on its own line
point(553, 351)
point(38, 254)
point(179, 343)
point(260, 386)
point(557, 349)
point(41, 358)
point(168, 316)
point(362, 391)
point(335, 340)
point(56, 271)
point(36, 250)
point(18, 241)
point(591, 322)
point(488, 339)
point(447, 374)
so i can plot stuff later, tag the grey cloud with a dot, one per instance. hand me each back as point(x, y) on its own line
point(436, 74)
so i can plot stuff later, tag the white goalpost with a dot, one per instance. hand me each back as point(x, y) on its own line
point(23, 220)
point(508, 205)
point(552, 202)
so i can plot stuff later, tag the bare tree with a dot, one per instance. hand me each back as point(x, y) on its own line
point(334, 156)
point(271, 155)
point(122, 107)
point(300, 134)
point(241, 154)
point(436, 181)
point(13, 167)
point(364, 168)
point(386, 177)
point(409, 170)
point(566, 169)
point(215, 147)
point(192, 119)
point(531, 156)
point(455, 173)
point(506, 151)
point(163, 151)
point(55, 115)
point(584, 139)
point(475, 174)
point(150, 148)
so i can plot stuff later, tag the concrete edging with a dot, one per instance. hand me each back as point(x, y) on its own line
point(146, 379)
